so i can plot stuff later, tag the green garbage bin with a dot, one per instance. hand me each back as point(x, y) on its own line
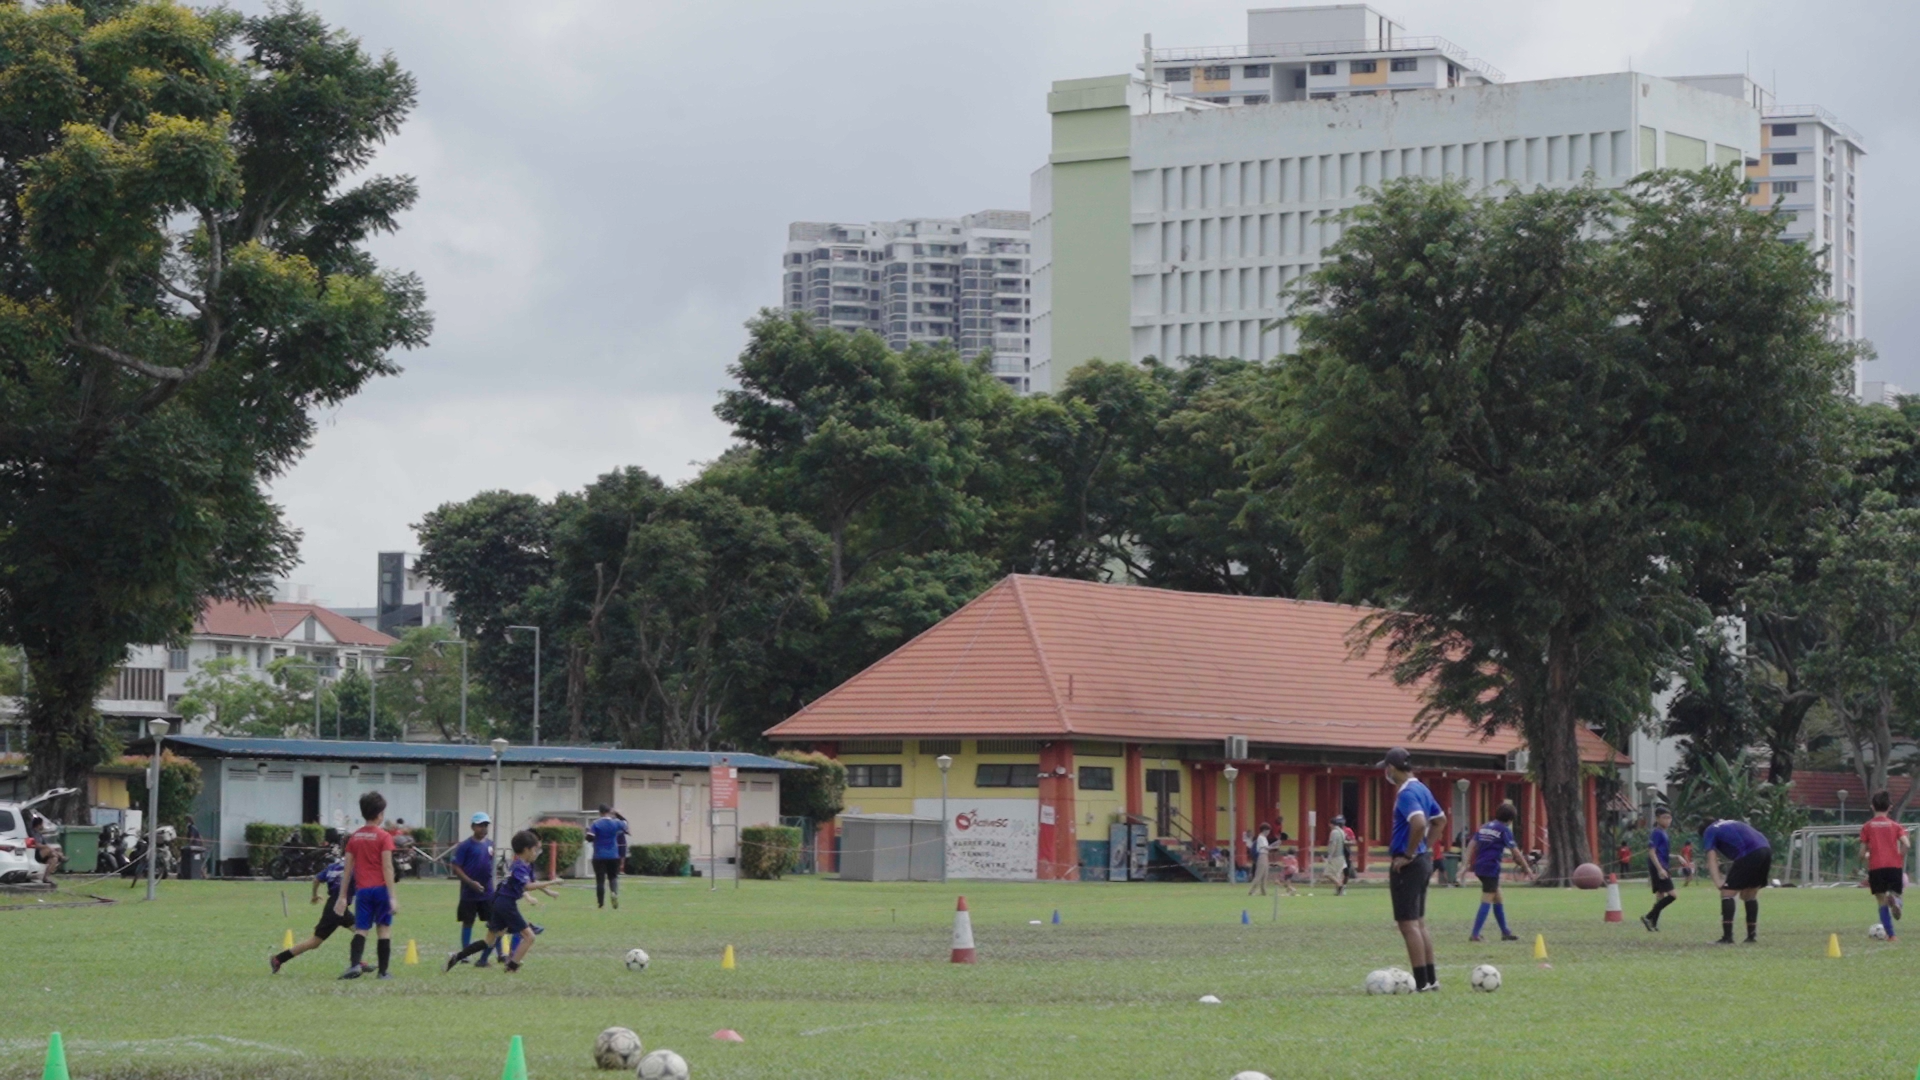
point(1452, 864)
point(81, 843)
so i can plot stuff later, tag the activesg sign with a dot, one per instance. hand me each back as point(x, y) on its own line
point(989, 838)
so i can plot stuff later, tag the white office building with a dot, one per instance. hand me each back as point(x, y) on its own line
point(963, 280)
point(1176, 210)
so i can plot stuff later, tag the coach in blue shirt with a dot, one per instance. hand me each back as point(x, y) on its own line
point(1751, 860)
point(1415, 817)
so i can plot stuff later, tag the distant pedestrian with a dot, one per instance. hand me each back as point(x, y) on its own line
point(1335, 866)
point(1260, 848)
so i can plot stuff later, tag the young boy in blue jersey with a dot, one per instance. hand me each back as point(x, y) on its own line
point(1750, 855)
point(471, 860)
point(1659, 867)
point(334, 877)
point(506, 905)
point(607, 833)
point(1416, 816)
point(1485, 852)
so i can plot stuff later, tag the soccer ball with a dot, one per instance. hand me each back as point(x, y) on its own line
point(1486, 978)
point(1379, 982)
point(637, 959)
point(662, 1065)
point(617, 1048)
point(1251, 1075)
point(1402, 981)
point(1877, 932)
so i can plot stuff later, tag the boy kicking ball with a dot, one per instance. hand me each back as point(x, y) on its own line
point(1485, 853)
point(1886, 842)
point(1659, 868)
point(333, 877)
point(506, 918)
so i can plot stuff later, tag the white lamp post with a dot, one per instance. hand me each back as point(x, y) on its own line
point(499, 748)
point(158, 729)
point(1233, 823)
point(945, 762)
point(536, 676)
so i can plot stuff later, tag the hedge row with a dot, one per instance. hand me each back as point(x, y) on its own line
point(569, 838)
point(264, 840)
point(658, 860)
point(768, 851)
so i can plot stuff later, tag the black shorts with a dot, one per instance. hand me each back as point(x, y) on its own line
point(1750, 871)
point(329, 922)
point(1489, 882)
point(474, 909)
point(506, 918)
point(1409, 888)
point(1887, 879)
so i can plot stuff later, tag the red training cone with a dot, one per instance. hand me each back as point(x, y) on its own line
point(1613, 898)
point(962, 934)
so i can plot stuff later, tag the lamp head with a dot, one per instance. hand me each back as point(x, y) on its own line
point(157, 728)
point(499, 747)
point(945, 762)
point(1230, 773)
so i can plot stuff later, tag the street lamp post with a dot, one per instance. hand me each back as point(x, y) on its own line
point(1842, 796)
point(499, 748)
point(536, 676)
point(945, 762)
point(316, 669)
point(463, 681)
point(158, 729)
point(1233, 823)
point(373, 685)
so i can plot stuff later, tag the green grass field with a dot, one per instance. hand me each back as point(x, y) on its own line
point(851, 980)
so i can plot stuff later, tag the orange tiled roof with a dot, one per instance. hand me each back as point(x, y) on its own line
point(1039, 656)
point(231, 618)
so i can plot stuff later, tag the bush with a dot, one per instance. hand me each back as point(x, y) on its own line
point(423, 837)
point(817, 794)
point(569, 838)
point(658, 860)
point(768, 851)
point(263, 840)
point(180, 784)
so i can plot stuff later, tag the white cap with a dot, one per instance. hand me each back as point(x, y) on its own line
point(481, 818)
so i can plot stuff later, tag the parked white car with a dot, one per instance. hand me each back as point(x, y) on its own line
point(19, 863)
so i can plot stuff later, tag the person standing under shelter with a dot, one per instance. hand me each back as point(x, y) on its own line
point(1416, 816)
point(1335, 866)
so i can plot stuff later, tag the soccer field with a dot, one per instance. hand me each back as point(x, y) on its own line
point(851, 980)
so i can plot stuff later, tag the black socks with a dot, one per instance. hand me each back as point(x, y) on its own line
point(358, 950)
point(1659, 906)
point(1424, 976)
point(1726, 918)
point(1753, 920)
point(285, 955)
point(384, 949)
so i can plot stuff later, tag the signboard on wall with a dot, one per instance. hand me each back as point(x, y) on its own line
point(989, 838)
point(725, 786)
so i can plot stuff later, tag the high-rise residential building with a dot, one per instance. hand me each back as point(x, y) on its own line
point(963, 280)
point(1178, 207)
point(1810, 163)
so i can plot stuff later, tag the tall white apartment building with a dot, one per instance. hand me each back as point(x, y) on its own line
point(1176, 209)
point(964, 280)
point(1810, 162)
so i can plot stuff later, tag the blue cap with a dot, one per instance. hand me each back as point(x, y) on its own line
point(481, 818)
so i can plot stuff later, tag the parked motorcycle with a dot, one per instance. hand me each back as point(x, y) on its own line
point(112, 857)
point(166, 861)
point(404, 854)
point(299, 859)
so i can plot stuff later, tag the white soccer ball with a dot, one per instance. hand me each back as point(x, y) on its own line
point(617, 1048)
point(637, 960)
point(1379, 982)
point(1251, 1075)
point(1402, 981)
point(1877, 932)
point(662, 1065)
point(1486, 978)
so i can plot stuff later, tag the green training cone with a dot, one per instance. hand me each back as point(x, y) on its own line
point(516, 1067)
point(56, 1059)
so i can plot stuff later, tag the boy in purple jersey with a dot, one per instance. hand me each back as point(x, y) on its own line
point(1659, 867)
point(1485, 852)
point(334, 877)
point(506, 918)
point(1751, 858)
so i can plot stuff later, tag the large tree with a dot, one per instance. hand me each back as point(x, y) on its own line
point(1522, 419)
point(183, 279)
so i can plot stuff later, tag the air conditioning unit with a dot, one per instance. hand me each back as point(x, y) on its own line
point(1236, 748)
point(1517, 761)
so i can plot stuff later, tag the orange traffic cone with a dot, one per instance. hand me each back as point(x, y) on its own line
point(962, 934)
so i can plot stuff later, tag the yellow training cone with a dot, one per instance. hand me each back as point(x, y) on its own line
point(287, 942)
point(56, 1068)
point(1539, 946)
point(1833, 946)
point(413, 953)
point(726, 959)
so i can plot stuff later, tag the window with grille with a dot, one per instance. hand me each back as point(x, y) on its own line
point(1786, 129)
point(406, 778)
point(939, 746)
point(873, 776)
point(1257, 71)
point(1364, 67)
point(238, 772)
point(1007, 776)
point(1096, 778)
point(658, 784)
point(1009, 746)
point(1786, 159)
point(1254, 99)
point(759, 785)
point(633, 783)
point(1177, 74)
point(1404, 63)
point(1218, 71)
point(1324, 68)
point(373, 777)
point(871, 746)
point(282, 774)
point(176, 659)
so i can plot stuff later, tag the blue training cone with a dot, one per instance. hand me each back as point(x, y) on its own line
point(1244, 921)
point(1056, 916)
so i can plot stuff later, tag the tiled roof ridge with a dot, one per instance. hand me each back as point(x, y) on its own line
point(1040, 652)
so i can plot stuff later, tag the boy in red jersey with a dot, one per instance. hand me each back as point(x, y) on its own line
point(1886, 843)
point(369, 866)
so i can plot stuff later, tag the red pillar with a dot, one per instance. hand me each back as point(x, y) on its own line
point(1136, 782)
point(1206, 819)
point(1059, 855)
point(1363, 828)
point(1243, 812)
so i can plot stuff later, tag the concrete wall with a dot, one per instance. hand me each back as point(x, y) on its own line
point(245, 796)
point(1081, 279)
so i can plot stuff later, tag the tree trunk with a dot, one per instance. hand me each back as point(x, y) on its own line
point(1556, 763)
point(1783, 735)
point(64, 737)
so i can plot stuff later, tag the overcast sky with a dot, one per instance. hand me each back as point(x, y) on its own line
point(606, 185)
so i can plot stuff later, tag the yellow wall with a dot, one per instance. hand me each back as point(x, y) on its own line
point(920, 779)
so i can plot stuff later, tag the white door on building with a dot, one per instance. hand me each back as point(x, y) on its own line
point(693, 824)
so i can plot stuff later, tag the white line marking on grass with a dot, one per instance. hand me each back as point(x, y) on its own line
point(201, 1043)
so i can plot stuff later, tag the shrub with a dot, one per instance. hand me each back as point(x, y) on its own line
point(817, 794)
point(263, 840)
point(568, 837)
point(423, 838)
point(768, 851)
point(180, 784)
point(658, 860)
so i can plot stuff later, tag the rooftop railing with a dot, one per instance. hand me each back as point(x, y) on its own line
point(1789, 112)
point(1333, 48)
